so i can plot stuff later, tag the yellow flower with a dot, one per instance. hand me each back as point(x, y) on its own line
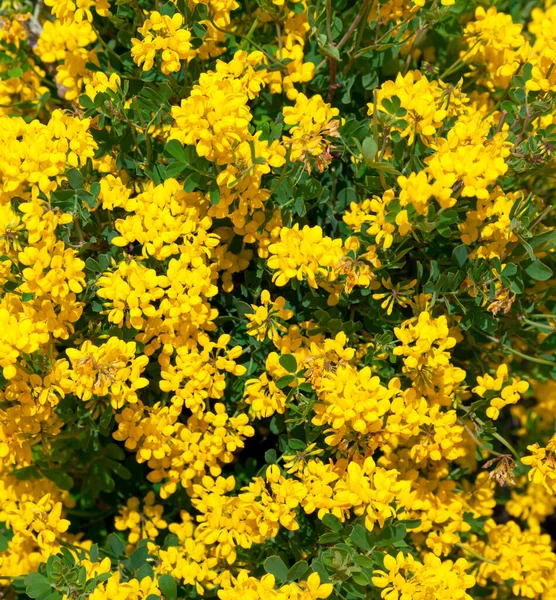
point(165, 35)
point(266, 320)
point(317, 589)
point(399, 294)
point(303, 253)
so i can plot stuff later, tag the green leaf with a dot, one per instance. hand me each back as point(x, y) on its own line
point(288, 362)
point(363, 561)
point(138, 558)
point(284, 381)
point(411, 523)
point(332, 522)
point(509, 270)
point(332, 51)
point(298, 570)
point(370, 149)
point(59, 477)
point(354, 590)
point(270, 456)
point(360, 538)
point(276, 566)
point(37, 585)
point(75, 179)
point(115, 546)
point(360, 578)
point(175, 150)
point(330, 538)
point(15, 72)
point(168, 587)
point(93, 552)
point(539, 271)
point(214, 195)
point(86, 101)
point(460, 255)
point(174, 169)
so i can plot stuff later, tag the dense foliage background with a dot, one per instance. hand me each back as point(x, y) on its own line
point(277, 313)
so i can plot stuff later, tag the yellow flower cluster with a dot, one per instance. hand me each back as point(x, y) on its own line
point(405, 577)
point(509, 394)
point(313, 122)
point(111, 369)
point(167, 36)
point(77, 10)
point(267, 319)
point(282, 340)
point(265, 588)
point(304, 254)
point(543, 464)
point(141, 522)
point(523, 560)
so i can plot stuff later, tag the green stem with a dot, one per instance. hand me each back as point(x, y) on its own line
point(495, 435)
point(475, 554)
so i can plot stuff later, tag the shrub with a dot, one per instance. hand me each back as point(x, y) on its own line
point(277, 317)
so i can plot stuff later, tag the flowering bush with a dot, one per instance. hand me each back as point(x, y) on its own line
point(277, 314)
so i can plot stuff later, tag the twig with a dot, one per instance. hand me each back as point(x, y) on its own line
point(475, 554)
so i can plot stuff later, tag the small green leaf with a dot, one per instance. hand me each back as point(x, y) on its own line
point(284, 381)
point(332, 51)
point(168, 587)
point(538, 271)
point(370, 149)
point(298, 570)
point(270, 456)
point(93, 552)
point(276, 566)
point(37, 585)
point(75, 179)
point(214, 196)
point(59, 477)
point(175, 150)
point(332, 522)
point(509, 270)
point(174, 169)
point(360, 538)
point(138, 558)
point(460, 255)
point(115, 545)
point(288, 362)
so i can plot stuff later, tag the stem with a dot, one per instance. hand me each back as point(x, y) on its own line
point(353, 26)
point(384, 140)
point(456, 65)
point(375, 132)
point(147, 139)
point(329, 20)
point(347, 35)
point(243, 37)
point(540, 361)
point(479, 443)
point(501, 122)
point(252, 29)
point(475, 554)
point(279, 36)
point(418, 35)
point(541, 217)
point(495, 435)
